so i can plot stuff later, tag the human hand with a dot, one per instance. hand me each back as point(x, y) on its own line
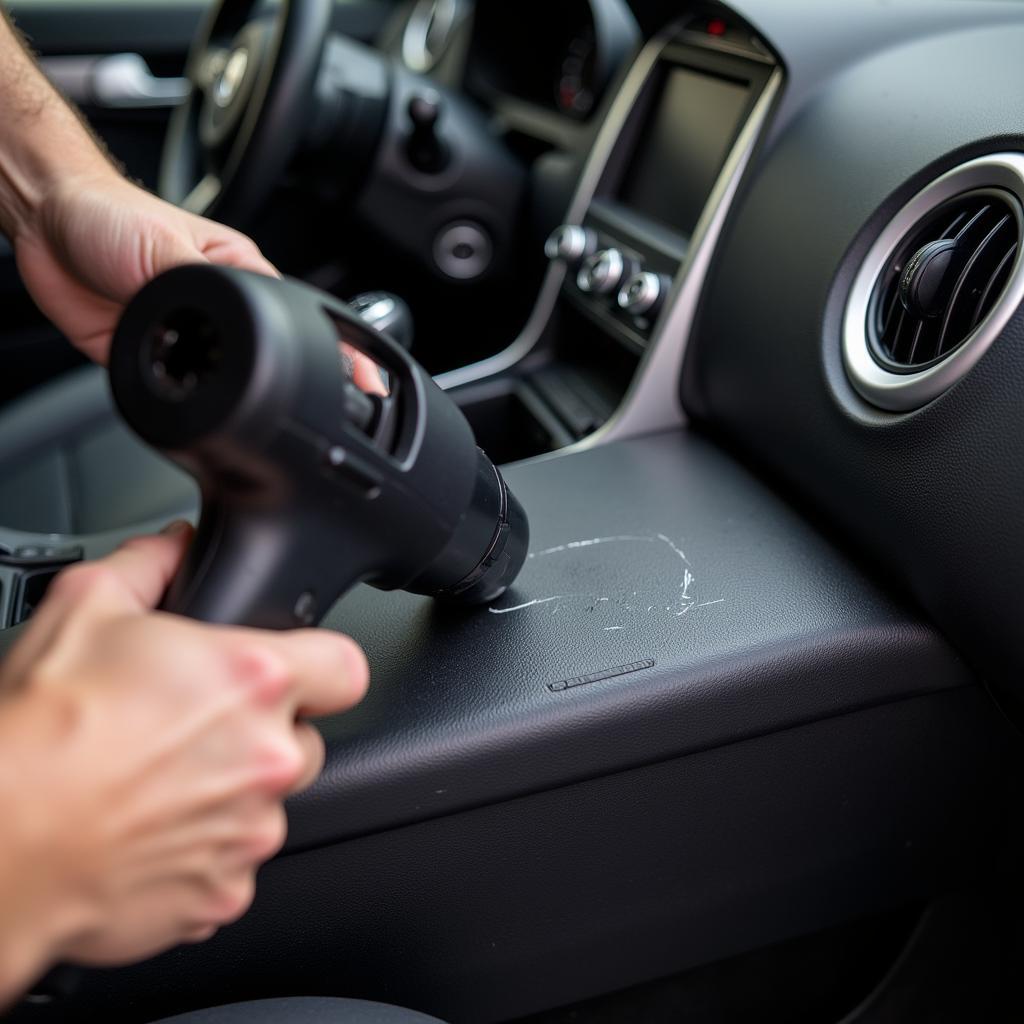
point(145, 760)
point(91, 241)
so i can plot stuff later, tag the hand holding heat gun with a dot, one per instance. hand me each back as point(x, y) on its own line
point(309, 485)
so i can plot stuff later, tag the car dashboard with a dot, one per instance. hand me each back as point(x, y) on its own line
point(755, 679)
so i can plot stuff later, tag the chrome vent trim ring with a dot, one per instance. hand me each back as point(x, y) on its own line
point(903, 392)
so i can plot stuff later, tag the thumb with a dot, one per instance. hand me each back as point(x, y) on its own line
point(145, 566)
point(217, 243)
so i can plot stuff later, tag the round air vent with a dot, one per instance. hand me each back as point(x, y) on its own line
point(938, 285)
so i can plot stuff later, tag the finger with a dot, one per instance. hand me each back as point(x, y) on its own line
point(132, 579)
point(312, 745)
point(144, 566)
point(35, 640)
point(329, 671)
point(233, 249)
point(363, 370)
point(201, 934)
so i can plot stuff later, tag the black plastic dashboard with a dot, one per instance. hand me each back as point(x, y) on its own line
point(933, 495)
point(693, 727)
point(738, 693)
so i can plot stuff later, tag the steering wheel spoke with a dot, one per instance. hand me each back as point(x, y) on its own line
point(204, 196)
point(248, 114)
point(208, 68)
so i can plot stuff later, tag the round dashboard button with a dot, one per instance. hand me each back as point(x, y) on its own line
point(570, 243)
point(463, 250)
point(642, 293)
point(602, 272)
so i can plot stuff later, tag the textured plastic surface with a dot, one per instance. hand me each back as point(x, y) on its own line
point(482, 916)
point(635, 771)
point(935, 496)
point(762, 626)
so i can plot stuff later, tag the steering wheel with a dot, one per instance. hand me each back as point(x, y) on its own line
point(252, 74)
point(275, 90)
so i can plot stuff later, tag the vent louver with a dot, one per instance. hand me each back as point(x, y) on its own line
point(943, 280)
point(938, 285)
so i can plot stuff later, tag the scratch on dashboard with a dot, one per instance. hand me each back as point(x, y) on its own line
point(573, 544)
point(527, 604)
point(674, 547)
point(683, 603)
point(609, 629)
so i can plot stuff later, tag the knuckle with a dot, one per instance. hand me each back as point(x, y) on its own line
point(316, 751)
point(278, 766)
point(264, 675)
point(243, 245)
point(230, 900)
point(268, 836)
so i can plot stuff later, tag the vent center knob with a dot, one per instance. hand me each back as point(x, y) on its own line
point(921, 282)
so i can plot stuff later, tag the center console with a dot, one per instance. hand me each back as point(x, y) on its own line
point(630, 249)
point(639, 231)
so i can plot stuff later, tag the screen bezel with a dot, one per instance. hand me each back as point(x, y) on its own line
point(735, 70)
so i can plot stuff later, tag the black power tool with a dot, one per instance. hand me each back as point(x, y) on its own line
point(309, 484)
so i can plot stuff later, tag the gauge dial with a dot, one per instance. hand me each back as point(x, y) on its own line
point(575, 87)
point(428, 31)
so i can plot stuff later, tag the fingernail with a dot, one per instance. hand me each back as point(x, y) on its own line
point(176, 528)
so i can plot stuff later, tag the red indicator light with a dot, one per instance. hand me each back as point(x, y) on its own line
point(717, 27)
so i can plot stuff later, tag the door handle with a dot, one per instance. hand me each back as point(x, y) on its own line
point(121, 81)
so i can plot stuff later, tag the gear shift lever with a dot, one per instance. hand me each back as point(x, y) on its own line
point(387, 313)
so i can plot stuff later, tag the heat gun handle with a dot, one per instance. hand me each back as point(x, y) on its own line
point(263, 571)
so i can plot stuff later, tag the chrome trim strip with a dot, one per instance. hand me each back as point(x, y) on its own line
point(652, 399)
point(601, 152)
point(902, 392)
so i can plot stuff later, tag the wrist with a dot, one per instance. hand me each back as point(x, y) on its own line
point(43, 141)
point(30, 175)
point(42, 915)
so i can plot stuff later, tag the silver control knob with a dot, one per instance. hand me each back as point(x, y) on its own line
point(602, 273)
point(643, 293)
point(570, 243)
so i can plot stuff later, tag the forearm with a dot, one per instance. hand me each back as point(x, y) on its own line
point(41, 138)
point(37, 914)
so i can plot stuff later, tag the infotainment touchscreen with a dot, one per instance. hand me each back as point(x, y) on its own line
point(683, 146)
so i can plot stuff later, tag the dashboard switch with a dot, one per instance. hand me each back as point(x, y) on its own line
point(424, 148)
point(643, 294)
point(602, 273)
point(570, 243)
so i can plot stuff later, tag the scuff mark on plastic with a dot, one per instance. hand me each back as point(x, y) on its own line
point(573, 544)
point(686, 602)
point(528, 604)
